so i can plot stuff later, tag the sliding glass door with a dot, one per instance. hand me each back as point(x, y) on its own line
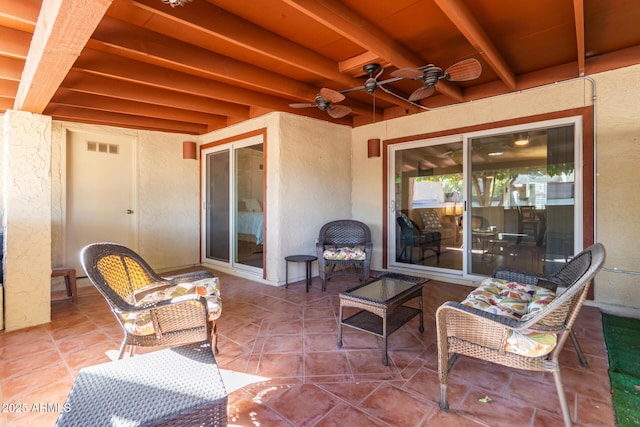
point(428, 193)
point(467, 204)
point(233, 209)
point(524, 199)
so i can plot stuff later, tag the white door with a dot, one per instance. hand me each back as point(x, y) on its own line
point(100, 195)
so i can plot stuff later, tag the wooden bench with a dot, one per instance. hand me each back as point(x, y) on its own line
point(69, 275)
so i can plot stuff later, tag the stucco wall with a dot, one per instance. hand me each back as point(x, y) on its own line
point(617, 109)
point(167, 196)
point(308, 183)
point(27, 219)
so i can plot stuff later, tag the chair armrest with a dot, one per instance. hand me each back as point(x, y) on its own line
point(470, 312)
point(473, 325)
point(189, 277)
point(178, 300)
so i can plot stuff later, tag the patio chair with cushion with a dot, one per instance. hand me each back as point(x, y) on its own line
point(515, 324)
point(344, 247)
point(153, 310)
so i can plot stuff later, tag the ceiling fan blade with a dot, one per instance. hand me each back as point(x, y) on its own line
point(469, 69)
point(338, 111)
point(301, 105)
point(421, 93)
point(407, 73)
point(331, 95)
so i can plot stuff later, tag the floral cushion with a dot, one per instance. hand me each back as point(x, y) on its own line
point(517, 301)
point(344, 253)
point(430, 219)
point(140, 323)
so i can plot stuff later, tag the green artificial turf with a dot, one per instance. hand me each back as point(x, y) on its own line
point(622, 337)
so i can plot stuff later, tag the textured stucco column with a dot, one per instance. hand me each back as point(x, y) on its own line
point(27, 219)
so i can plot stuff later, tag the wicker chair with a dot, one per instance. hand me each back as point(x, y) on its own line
point(469, 331)
point(124, 278)
point(344, 234)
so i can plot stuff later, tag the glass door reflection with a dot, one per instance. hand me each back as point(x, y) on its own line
point(429, 205)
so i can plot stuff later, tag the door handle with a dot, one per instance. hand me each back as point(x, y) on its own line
point(129, 211)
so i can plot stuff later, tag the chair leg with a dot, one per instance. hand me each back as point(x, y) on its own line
point(123, 348)
point(563, 399)
point(576, 344)
point(444, 402)
point(214, 337)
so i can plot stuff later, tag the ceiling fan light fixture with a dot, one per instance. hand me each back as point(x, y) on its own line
point(174, 3)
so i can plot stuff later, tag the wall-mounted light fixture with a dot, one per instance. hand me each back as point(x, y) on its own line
point(189, 150)
point(373, 147)
point(521, 139)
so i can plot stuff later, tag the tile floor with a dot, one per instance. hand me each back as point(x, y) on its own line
point(280, 346)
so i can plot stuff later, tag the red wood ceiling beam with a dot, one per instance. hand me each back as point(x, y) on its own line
point(92, 84)
point(11, 69)
point(578, 12)
point(346, 22)
point(83, 115)
point(213, 21)
point(154, 76)
point(135, 108)
point(62, 30)
point(462, 18)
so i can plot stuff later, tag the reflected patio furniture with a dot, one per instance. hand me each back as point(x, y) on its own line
point(482, 334)
point(344, 247)
point(531, 222)
point(412, 237)
point(153, 310)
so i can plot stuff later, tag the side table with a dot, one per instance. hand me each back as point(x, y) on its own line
point(308, 259)
point(179, 386)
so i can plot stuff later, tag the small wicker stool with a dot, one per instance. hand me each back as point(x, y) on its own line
point(179, 386)
point(69, 275)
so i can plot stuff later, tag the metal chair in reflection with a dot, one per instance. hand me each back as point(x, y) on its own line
point(411, 237)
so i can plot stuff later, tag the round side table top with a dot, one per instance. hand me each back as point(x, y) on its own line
point(300, 258)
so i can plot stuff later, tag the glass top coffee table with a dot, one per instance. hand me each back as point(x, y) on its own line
point(381, 301)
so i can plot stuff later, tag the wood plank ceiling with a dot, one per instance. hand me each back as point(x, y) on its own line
point(143, 64)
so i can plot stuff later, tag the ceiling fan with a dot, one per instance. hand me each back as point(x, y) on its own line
point(372, 83)
point(325, 101)
point(468, 69)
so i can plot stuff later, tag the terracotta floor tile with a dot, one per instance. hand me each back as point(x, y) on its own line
point(320, 342)
point(280, 365)
point(346, 415)
point(289, 337)
point(592, 412)
point(244, 410)
point(282, 344)
point(304, 404)
point(396, 407)
point(326, 363)
point(500, 411)
point(353, 393)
